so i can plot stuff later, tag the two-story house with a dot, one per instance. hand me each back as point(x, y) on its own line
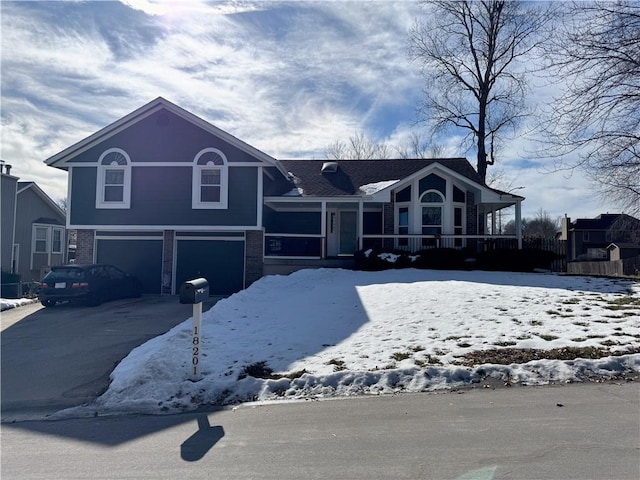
point(168, 196)
point(33, 232)
point(589, 238)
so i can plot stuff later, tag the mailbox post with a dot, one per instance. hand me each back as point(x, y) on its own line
point(195, 292)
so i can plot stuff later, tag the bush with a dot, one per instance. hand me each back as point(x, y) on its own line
point(10, 285)
point(525, 260)
point(442, 259)
point(501, 259)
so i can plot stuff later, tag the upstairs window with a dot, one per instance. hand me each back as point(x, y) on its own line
point(210, 174)
point(114, 180)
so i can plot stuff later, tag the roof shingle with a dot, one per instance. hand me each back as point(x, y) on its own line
point(352, 174)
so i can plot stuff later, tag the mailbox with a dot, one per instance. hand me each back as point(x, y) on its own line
point(194, 291)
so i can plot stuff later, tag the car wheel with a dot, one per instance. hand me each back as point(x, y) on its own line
point(48, 303)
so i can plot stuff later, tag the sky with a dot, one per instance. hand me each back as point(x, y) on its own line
point(370, 333)
point(289, 78)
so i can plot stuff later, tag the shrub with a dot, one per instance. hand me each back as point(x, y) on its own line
point(10, 285)
point(525, 260)
point(369, 260)
point(442, 259)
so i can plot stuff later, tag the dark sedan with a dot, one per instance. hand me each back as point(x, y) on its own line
point(91, 284)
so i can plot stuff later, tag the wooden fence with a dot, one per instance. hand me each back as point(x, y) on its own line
point(628, 267)
point(553, 245)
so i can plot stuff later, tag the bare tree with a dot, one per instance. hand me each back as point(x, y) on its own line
point(596, 57)
point(358, 147)
point(541, 226)
point(473, 55)
point(417, 147)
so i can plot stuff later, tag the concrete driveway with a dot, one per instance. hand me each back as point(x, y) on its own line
point(60, 357)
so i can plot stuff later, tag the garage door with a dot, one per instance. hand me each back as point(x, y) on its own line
point(142, 258)
point(220, 261)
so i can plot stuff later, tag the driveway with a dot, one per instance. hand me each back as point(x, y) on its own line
point(55, 358)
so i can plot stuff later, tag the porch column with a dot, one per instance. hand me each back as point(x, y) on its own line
point(493, 222)
point(518, 225)
point(323, 228)
point(360, 223)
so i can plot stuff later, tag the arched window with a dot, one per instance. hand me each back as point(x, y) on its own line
point(431, 203)
point(210, 176)
point(113, 189)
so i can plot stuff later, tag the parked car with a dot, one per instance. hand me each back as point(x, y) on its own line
point(91, 284)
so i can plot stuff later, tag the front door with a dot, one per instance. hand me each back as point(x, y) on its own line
point(342, 232)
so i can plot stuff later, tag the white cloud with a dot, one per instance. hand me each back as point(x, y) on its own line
point(287, 77)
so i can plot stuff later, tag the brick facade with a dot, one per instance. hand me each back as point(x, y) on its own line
point(167, 261)
point(84, 246)
point(253, 260)
point(472, 215)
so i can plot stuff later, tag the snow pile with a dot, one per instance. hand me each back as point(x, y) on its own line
point(328, 332)
point(7, 303)
point(371, 188)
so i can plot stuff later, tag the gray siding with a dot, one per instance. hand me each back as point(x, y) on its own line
point(31, 207)
point(292, 222)
point(8, 207)
point(163, 137)
point(162, 196)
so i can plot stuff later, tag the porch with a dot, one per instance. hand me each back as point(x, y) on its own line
point(282, 247)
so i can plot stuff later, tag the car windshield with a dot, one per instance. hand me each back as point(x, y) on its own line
point(70, 273)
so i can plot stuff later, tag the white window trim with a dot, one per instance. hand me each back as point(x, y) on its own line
point(398, 206)
point(442, 204)
point(36, 227)
point(196, 202)
point(100, 184)
point(62, 240)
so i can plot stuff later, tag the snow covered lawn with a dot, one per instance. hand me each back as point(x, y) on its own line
point(318, 333)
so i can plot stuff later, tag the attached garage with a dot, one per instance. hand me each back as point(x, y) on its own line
point(218, 258)
point(140, 256)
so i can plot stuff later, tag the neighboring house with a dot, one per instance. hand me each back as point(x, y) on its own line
point(589, 238)
point(169, 197)
point(8, 190)
point(40, 238)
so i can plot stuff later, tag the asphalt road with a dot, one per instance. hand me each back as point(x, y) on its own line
point(54, 358)
point(564, 432)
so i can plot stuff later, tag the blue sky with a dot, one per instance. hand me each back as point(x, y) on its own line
point(289, 78)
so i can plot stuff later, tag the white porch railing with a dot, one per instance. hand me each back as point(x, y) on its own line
point(313, 246)
point(414, 243)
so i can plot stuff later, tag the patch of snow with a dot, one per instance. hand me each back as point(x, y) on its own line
point(7, 303)
point(294, 192)
point(371, 188)
point(341, 332)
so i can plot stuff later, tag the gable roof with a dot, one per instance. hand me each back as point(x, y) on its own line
point(351, 175)
point(33, 187)
point(59, 160)
point(602, 222)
